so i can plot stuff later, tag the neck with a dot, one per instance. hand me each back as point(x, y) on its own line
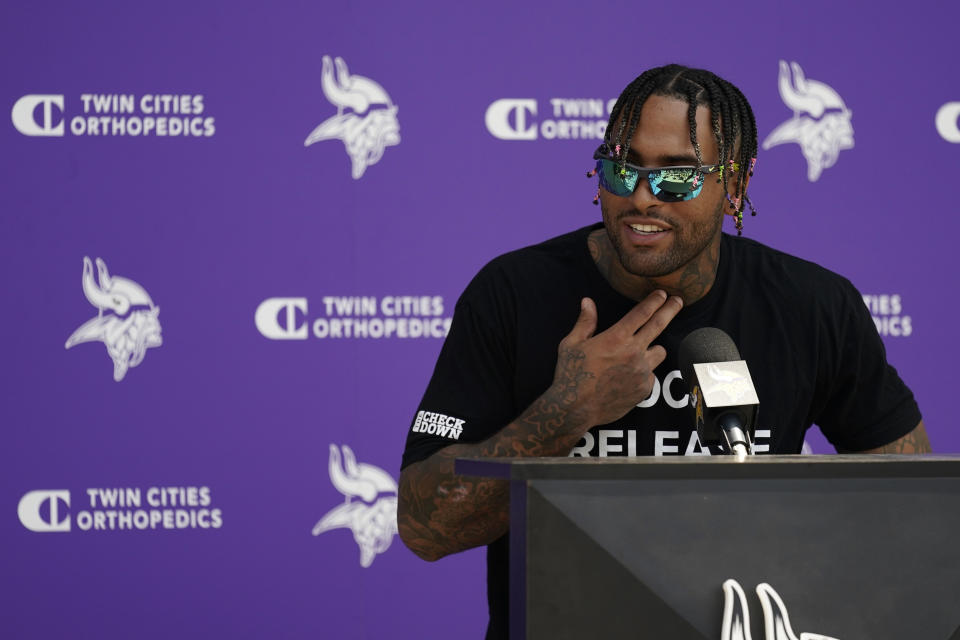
point(691, 282)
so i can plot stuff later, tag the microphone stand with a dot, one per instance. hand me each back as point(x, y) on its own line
point(738, 443)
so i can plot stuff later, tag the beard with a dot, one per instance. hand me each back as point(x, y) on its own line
point(690, 239)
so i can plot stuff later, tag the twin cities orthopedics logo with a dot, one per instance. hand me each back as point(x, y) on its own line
point(888, 314)
point(113, 114)
point(553, 119)
point(354, 317)
point(947, 122)
point(119, 509)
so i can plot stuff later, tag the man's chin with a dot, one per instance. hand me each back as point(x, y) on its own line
point(651, 265)
point(651, 272)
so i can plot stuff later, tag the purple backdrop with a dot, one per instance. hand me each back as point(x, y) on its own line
point(233, 235)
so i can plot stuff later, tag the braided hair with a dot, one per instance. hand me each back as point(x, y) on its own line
point(730, 116)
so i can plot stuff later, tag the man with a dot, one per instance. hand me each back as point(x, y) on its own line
point(569, 347)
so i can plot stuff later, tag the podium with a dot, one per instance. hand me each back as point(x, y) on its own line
point(857, 547)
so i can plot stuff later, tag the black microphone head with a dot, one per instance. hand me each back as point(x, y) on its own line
point(708, 344)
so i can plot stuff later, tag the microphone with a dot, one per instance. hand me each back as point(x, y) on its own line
point(723, 401)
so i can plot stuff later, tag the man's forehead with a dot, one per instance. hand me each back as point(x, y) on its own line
point(663, 131)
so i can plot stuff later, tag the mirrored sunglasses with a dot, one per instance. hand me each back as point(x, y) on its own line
point(668, 184)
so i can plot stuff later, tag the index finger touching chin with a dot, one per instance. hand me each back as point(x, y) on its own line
point(641, 313)
point(659, 320)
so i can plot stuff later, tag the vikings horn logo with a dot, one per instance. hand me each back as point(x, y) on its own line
point(370, 504)
point(776, 621)
point(821, 122)
point(126, 320)
point(368, 127)
point(730, 383)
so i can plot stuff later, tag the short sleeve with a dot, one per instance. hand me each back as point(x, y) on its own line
point(469, 397)
point(866, 403)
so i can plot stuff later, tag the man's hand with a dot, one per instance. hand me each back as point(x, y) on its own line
point(598, 379)
point(603, 376)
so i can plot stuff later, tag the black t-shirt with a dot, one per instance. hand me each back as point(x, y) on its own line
point(812, 348)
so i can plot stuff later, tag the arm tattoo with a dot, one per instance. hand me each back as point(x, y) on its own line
point(440, 512)
point(914, 442)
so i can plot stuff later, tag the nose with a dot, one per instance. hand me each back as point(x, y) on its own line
point(642, 197)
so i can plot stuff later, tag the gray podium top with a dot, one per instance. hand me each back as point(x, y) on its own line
point(665, 467)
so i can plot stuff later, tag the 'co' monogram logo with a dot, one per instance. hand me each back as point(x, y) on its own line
point(507, 119)
point(948, 121)
point(23, 116)
point(30, 510)
point(269, 323)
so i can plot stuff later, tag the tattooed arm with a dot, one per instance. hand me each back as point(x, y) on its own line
point(598, 379)
point(440, 512)
point(914, 442)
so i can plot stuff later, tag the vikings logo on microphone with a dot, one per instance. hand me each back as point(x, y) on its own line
point(821, 122)
point(126, 320)
point(731, 384)
point(368, 128)
point(370, 504)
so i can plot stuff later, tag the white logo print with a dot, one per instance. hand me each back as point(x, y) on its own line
point(821, 122)
point(776, 621)
point(437, 423)
point(23, 120)
point(498, 119)
point(947, 121)
point(562, 118)
point(372, 518)
point(267, 318)
point(726, 383)
point(368, 128)
point(353, 317)
point(126, 320)
point(29, 510)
